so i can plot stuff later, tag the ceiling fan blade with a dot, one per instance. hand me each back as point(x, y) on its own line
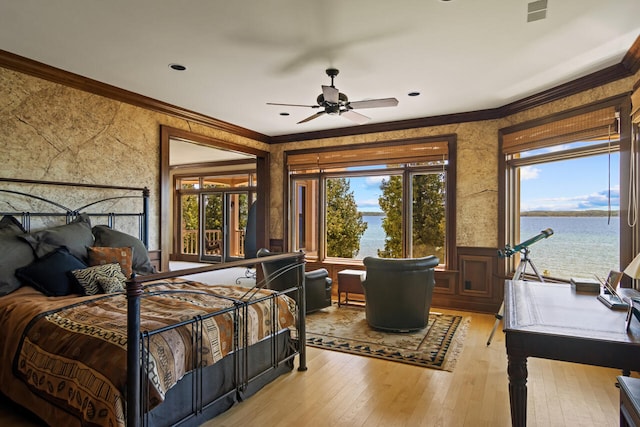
point(374, 103)
point(311, 117)
point(355, 117)
point(330, 94)
point(293, 105)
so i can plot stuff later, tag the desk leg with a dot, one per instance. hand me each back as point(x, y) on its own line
point(517, 370)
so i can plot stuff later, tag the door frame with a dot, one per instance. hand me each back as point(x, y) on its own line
point(165, 231)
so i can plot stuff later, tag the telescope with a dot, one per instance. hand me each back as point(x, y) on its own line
point(508, 250)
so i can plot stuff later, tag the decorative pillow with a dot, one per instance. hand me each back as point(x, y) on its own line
point(75, 236)
point(102, 256)
point(111, 285)
point(49, 274)
point(14, 253)
point(106, 237)
point(91, 277)
point(10, 226)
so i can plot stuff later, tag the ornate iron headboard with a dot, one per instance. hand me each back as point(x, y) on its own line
point(25, 216)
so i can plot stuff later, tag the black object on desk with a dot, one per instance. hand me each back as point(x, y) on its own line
point(613, 302)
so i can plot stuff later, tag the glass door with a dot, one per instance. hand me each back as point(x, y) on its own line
point(212, 232)
point(224, 221)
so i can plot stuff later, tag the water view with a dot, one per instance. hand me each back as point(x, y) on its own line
point(373, 237)
point(579, 246)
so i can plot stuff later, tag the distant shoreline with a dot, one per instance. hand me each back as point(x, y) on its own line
point(588, 213)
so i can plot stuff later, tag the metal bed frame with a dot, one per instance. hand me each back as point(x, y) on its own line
point(203, 405)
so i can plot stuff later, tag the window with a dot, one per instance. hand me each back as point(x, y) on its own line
point(386, 200)
point(565, 175)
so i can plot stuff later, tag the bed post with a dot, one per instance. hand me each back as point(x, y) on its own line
point(302, 312)
point(145, 217)
point(134, 291)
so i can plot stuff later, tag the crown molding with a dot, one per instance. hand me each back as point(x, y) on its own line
point(37, 69)
point(599, 78)
point(445, 119)
point(631, 60)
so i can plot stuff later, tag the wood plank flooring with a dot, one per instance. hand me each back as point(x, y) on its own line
point(345, 390)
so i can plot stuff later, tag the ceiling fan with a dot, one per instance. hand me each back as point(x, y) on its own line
point(335, 102)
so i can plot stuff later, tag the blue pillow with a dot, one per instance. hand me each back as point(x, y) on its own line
point(51, 273)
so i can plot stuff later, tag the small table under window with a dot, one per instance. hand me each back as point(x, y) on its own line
point(350, 282)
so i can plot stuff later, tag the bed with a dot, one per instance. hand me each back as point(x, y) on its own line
point(92, 334)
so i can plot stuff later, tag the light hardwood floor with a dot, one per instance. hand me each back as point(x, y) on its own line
point(344, 390)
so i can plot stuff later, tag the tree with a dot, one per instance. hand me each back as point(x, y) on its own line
point(213, 212)
point(190, 223)
point(428, 214)
point(391, 204)
point(345, 225)
point(190, 215)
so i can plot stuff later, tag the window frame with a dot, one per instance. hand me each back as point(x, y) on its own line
point(508, 197)
point(407, 172)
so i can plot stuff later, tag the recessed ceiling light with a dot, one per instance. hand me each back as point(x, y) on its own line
point(414, 93)
point(177, 67)
point(284, 114)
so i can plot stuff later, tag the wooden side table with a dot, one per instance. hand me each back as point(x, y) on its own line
point(350, 281)
point(629, 401)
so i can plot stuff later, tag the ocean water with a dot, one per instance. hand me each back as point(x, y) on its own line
point(373, 237)
point(579, 246)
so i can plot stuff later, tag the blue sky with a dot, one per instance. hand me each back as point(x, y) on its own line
point(576, 184)
point(366, 191)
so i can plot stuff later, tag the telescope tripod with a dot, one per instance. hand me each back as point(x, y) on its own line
point(518, 275)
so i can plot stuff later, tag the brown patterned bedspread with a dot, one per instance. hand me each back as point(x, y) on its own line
point(75, 356)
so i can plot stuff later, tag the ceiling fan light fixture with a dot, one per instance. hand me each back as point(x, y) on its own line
point(332, 109)
point(336, 103)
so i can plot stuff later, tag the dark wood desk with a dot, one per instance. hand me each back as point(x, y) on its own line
point(552, 321)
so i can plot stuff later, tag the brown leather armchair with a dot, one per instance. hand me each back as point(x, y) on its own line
point(398, 292)
point(317, 282)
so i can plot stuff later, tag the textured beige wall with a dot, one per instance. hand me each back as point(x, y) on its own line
point(477, 183)
point(52, 132)
point(55, 133)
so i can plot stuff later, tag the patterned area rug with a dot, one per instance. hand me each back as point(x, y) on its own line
point(345, 329)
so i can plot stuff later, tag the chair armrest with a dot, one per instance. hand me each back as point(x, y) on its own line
point(316, 274)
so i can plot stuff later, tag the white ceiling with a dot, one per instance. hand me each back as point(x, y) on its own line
point(461, 55)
